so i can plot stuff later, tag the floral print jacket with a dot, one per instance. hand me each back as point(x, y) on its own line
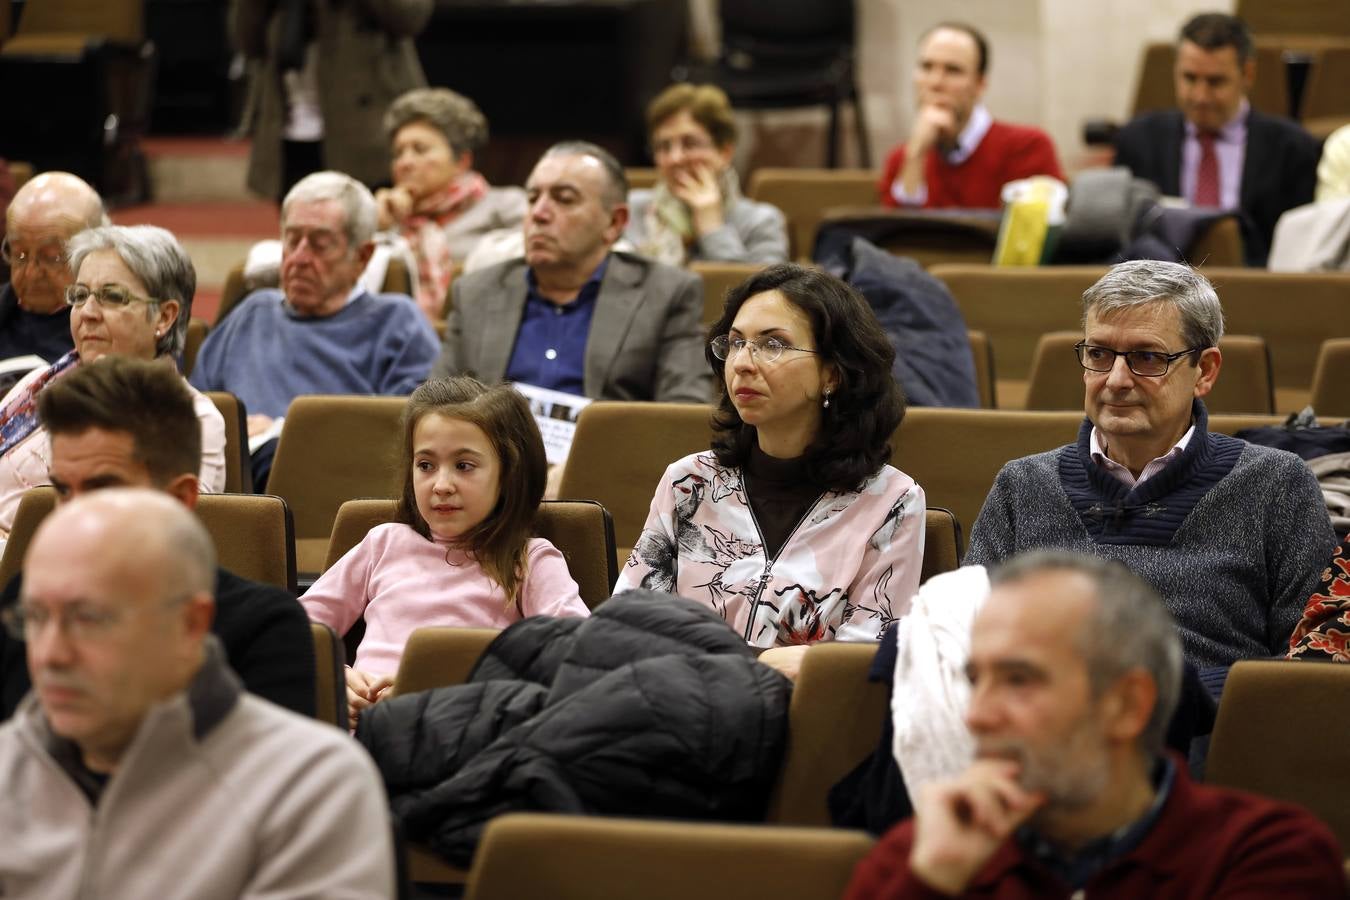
point(848, 570)
point(1323, 634)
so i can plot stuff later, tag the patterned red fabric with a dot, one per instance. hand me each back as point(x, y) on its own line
point(1317, 635)
point(424, 233)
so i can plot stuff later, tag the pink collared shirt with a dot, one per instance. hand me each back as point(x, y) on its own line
point(1230, 148)
point(1124, 475)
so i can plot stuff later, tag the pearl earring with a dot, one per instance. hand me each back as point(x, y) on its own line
point(826, 404)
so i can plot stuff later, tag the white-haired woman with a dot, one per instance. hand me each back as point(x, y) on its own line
point(132, 295)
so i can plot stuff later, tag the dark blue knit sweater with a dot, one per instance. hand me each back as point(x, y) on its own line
point(1233, 536)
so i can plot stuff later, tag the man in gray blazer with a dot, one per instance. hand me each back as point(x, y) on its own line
point(573, 315)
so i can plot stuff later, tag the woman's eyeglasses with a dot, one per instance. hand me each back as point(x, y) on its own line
point(109, 295)
point(765, 350)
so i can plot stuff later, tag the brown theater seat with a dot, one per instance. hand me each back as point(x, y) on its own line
point(535, 855)
point(238, 470)
point(330, 680)
point(835, 721)
point(1331, 379)
point(440, 657)
point(718, 279)
point(803, 193)
point(1260, 740)
point(982, 351)
point(252, 534)
point(1294, 313)
point(196, 334)
point(620, 451)
point(640, 177)
point(333, 449)
point(942, 543)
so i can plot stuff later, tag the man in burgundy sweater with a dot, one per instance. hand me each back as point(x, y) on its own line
point(1075, 668)
point(957, 155)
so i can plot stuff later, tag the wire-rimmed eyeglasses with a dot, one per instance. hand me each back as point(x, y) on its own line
point(764, 350)
point(110, 295)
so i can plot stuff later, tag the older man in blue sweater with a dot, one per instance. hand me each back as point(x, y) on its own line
point(322, 333)
point(1232, 535)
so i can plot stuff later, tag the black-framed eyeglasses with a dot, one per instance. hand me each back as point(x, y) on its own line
point(1148, 363)
point(50, 256)
point(765, 350)
point(109, 295)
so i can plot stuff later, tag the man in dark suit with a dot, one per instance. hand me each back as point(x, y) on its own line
point(1215, 150)
point(574, 315)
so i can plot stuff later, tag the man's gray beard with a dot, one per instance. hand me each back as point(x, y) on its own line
point(1067, 779)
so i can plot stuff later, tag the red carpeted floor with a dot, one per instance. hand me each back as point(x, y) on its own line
point(246, 219)
point(215, 230)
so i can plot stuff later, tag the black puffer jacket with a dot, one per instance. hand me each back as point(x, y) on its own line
point(652, 707)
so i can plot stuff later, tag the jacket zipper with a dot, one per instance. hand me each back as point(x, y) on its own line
point(768, 568)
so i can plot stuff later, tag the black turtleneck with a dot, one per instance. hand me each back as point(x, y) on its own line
point(780, 494)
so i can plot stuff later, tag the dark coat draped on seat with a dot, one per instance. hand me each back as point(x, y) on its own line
point(651, 707)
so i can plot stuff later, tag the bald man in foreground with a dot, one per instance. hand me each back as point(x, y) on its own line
point(138, 767)
point(48, 211)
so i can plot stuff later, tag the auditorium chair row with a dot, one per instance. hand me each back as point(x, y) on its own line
point(1008, 310)
point(1293, 313)
point(334, 449)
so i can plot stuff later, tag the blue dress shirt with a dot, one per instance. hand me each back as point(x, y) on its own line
point(550, 349)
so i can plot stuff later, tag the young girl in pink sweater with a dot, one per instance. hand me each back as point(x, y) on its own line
point(460, 552)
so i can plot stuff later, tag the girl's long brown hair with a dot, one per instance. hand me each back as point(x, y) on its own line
point(498, 542)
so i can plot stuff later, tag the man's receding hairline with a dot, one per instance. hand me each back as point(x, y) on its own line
point(607, 183)
point(975, 66)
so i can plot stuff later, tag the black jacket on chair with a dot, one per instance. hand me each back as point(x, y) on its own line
point(1279, 167)
point(651, 707)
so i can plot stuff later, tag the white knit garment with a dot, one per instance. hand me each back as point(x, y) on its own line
point(931, 692)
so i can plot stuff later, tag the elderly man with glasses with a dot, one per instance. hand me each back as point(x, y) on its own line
point(1233, 536)
point(44, 215)
point(322, 333)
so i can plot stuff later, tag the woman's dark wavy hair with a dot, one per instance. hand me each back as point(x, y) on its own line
point(866, 407)
point(499, 541)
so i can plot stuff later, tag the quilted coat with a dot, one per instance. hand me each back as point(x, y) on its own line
point(653, 706)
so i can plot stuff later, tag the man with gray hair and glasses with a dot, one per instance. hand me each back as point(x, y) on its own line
point(1233, 536)
point(44, 215)
point(322, 333)
point(138, 766)
point(1074, 672)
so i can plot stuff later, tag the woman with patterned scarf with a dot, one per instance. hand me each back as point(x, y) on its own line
point(438, 203)
point(696, 211)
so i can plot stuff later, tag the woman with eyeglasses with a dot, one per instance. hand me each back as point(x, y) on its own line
point(696, 211)
point(132, 296)
point(793, 526)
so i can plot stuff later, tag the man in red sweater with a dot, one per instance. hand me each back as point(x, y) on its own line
point(957, 155)
point(1075, 668)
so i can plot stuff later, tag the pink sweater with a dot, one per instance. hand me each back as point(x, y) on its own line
point(400, 581)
